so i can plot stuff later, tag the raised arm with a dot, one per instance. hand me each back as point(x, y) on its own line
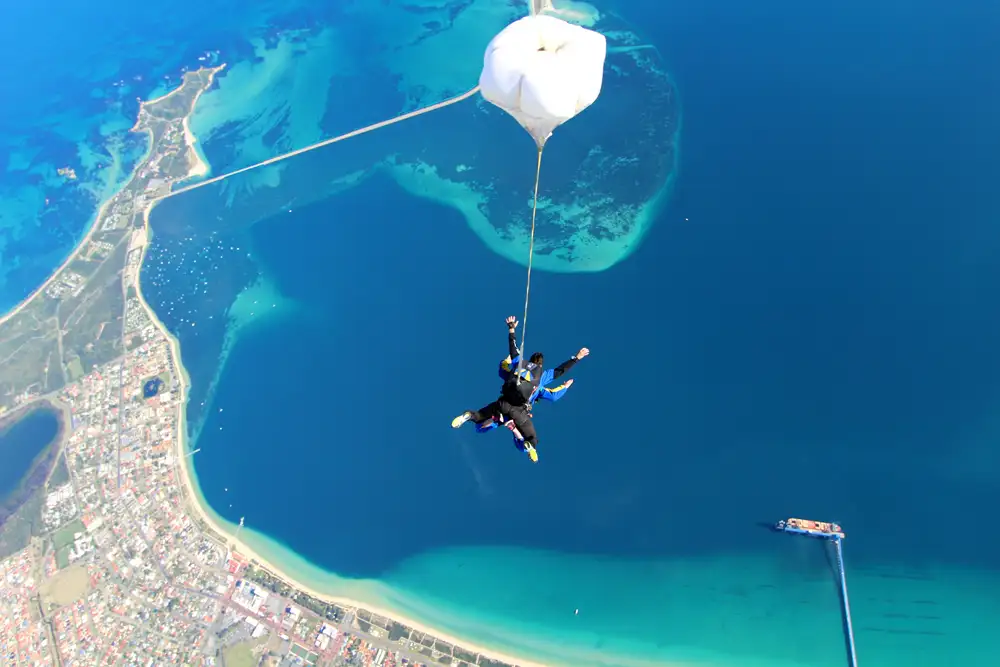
point(561, 369)
point(512, 340)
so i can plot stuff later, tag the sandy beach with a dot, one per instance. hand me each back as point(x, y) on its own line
point(187, 479)
point(198, 167)
point(73, 255)
point(193, 502)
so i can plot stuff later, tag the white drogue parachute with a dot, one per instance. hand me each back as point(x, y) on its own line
point(543, 71)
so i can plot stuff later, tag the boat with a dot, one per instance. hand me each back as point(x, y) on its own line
point(821, 529)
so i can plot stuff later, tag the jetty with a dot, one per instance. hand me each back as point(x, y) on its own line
point(830, 532)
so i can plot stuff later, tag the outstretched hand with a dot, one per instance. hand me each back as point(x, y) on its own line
point(511, 322)
point(582, 353)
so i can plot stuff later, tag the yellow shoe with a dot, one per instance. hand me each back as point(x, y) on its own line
point(461, 419)
point(532, 454)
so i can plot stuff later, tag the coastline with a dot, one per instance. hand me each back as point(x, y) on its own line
point(196, 505)
point(80, 246)
point(193, 499)
point(201, 170)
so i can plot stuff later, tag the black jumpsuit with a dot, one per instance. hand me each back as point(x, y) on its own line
point(513, 400)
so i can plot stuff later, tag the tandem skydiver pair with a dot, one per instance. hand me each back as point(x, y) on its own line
point(523, 384)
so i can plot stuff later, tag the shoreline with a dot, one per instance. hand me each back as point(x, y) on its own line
point(197, 507)
point(92, 228)
point(80, 246)
point(188, 480)
point(193, 499)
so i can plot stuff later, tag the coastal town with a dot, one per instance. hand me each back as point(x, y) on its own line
point(111, 561)
point(123, 574)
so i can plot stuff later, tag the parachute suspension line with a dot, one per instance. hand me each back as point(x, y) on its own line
point(531, 253)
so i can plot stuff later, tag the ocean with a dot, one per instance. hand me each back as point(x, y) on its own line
point(792, 315)
point(71, 91)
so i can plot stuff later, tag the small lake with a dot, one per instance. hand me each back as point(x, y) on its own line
point(20, 444)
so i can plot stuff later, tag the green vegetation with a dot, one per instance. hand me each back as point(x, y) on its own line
point(92, 320)
point(241, 655)
point(29, 353)
point(60, 473)
point(19, 528)
point(397, 632)
point(267, 580)
point(464, 655)
point(175, 163)
point(74, 369)
point(62, 557)
point(68, 333)
point(66, 535)
point(84, 267)
point(323, 609)
point(304, 654)
point(63, 539)
point(308, 626)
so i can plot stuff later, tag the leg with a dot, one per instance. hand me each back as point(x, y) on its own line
point(519, 442)
point(523, 423)
point(483, 414)
point(486, 426)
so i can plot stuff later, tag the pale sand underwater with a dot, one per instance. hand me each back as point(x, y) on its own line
point(780, 606)
point(651, 612)
point(368, 593)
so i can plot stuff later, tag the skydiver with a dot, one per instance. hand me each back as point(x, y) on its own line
point(518, 391)
point(544, 393)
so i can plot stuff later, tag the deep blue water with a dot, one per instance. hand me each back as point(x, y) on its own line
point(20, 443)
point(809, 329)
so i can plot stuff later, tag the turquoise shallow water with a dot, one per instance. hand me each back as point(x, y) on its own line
point(684, 593)
point(735, 342)
point(814, 297)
